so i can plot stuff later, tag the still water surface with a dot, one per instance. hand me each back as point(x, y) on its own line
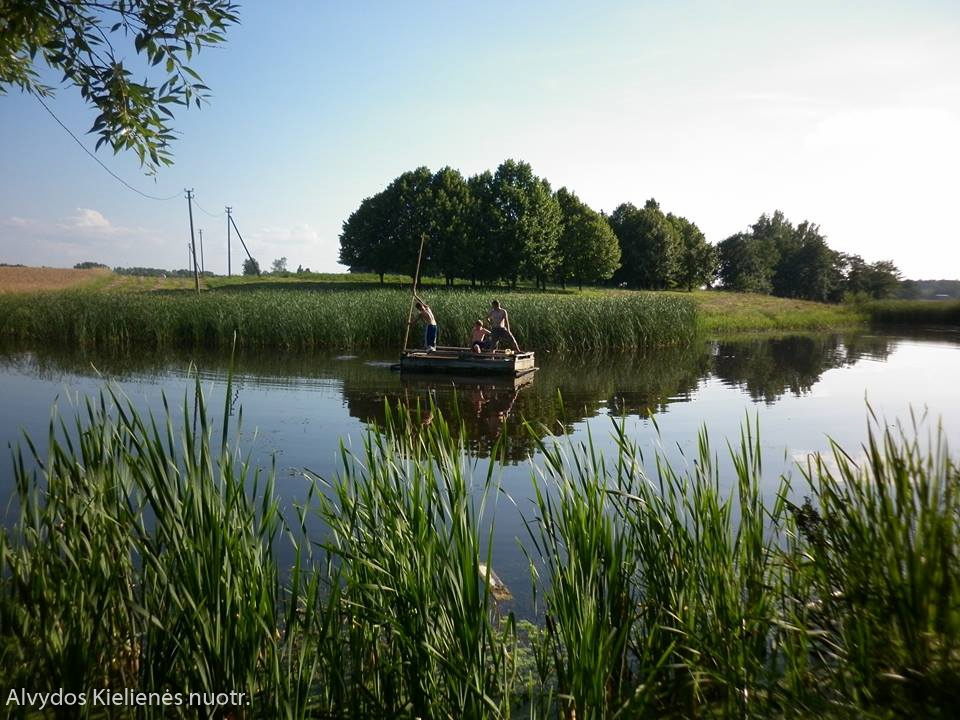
point(298, 409)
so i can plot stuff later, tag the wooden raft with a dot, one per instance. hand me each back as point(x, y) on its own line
point(463, 361)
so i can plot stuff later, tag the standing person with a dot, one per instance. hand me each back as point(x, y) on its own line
point(479, 339)
point(430, 323)
point(500, 326)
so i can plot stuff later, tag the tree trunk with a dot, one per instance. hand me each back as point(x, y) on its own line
point(381, 278)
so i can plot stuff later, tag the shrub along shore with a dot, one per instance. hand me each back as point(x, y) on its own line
point(144, 558)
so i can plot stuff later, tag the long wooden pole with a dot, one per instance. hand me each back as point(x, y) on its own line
point(413, 297)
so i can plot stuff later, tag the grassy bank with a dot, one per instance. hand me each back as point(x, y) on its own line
point(145, 559)
point(347, 318)
point(914, 312)
point(724, 313)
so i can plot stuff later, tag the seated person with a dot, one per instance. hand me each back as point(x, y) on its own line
point(479, 338)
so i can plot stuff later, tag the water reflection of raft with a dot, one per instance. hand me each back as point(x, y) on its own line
point(463, 361)
point(416, 380)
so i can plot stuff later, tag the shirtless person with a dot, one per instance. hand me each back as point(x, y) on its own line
point(430, 331)
point(500, 326)
point(479, 338)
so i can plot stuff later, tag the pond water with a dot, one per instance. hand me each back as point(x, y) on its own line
point(297, 409)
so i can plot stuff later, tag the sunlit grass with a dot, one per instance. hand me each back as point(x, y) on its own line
point(720, 312)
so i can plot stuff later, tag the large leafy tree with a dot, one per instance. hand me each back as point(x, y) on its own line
point(878, 280)
point(806, 266)
point(412, 220)
point(384, 234)
point(697, 261)
point(588, 249)
point(482, 262)
point(649, 245)
point(748, 261)
point(366, 242)
point(89, 43)
point(450, 240)
point(744, 264)
point(527, 220)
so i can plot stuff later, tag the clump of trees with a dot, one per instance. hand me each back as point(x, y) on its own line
point(508, 225)
point(661, 251)
point(159, 272)
point(88, 265)
point(929, 289)
point(778, 258)
point(492, 227)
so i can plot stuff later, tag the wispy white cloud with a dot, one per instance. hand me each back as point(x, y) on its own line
point(295, 235)
point(87, 234)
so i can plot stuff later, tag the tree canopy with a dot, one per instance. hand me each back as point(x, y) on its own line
point(781, 259)
point(89, 43)
point(507, 224)
point(251, 267)
point(588, 248)
point(649, 244)
point(697, 259)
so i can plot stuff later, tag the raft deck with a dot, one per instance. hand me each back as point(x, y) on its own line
point(463, 361)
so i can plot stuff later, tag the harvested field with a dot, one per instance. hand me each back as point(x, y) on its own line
point(30, 279)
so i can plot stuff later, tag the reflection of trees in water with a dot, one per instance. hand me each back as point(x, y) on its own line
point(768, 368)
point(563, 392)
point(640, 383)
point(482, 406)
point(624, 384)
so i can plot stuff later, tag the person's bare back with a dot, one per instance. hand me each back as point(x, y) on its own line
point(500, 326)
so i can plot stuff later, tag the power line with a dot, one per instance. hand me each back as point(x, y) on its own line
point(84, 147)
point(205, 212)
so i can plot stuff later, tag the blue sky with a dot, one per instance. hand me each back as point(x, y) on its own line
point(843, 113)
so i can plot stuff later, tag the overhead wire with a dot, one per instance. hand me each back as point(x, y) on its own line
point(99, 162)
point(206, 212)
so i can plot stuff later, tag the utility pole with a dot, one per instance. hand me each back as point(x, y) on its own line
point(202, 266)
point(193, 244)
point(229, 273)
point(189, 256)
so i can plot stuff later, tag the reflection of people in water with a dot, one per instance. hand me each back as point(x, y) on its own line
point(427, 407)
point(478, 399)
point(499, 408)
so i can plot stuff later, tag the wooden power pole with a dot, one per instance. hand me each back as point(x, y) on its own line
point(229, 273)
point(193, 245)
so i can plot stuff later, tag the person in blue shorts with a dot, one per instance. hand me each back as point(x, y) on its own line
point(430, 330)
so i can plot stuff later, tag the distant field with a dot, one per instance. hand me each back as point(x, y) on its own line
point(29, 279)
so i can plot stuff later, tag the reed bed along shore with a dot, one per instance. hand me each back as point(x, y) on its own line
point(146, 558)
point(914, 312)
point(298, 319)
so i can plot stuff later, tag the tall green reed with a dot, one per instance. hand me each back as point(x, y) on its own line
point(879, 551)
point(139, 560)
point(299, 319)
point(147, 557)
point(658, 597)
point(413, 568)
